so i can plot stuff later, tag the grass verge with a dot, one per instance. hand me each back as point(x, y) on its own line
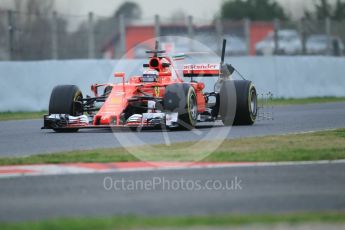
point(132, 222)
point(302, 101)
point(323, 145)
point(6, 116)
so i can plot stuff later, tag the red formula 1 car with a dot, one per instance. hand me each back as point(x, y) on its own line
point(159, 97)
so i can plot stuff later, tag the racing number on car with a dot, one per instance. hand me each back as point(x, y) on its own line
point(157, 91)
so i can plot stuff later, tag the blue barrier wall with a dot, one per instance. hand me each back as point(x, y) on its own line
point(26, 86)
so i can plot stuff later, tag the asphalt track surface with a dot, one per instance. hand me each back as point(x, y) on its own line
point(19, 138)
point(261, 190)
point(269, 189)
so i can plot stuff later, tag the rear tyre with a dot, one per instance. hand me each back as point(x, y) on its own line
point(246, 109)
point(181, 98)
point(66, 99)
point(246, 103)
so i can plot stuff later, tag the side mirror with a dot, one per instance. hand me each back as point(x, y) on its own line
point(94, 89)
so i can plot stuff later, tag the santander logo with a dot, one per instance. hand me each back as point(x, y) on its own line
point(201, 67)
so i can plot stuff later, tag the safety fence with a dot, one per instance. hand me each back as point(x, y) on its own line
point(34, 36)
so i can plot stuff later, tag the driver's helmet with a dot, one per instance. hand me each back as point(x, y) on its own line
point(150, 76)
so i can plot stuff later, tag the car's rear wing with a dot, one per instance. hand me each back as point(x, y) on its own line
point(201, 70)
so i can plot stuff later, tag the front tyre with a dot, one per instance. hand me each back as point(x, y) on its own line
point(66, 99)
point(181, 98)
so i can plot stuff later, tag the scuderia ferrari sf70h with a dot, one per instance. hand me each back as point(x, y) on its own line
point(158, 98)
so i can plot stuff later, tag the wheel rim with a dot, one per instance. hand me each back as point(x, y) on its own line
point(78, 98)
point(193, 108)
point(253, 102)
